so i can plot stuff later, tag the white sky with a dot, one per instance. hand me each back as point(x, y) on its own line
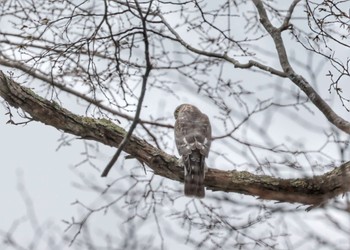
point(29, 157)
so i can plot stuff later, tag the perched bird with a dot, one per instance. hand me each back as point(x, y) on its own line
point(193, 139)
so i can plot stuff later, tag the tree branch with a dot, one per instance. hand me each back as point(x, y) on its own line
point(142, 95)
point(97, 103)
point(312, 191)
point(286, 21)
point(223, 56)
point(300, 81)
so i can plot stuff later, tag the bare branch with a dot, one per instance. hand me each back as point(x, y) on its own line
point(300, 81)
point(313, 191)
point(41, 76)
point(286, 21)
point(224, 56)
point(142, 95)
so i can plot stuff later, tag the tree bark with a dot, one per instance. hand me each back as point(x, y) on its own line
point(312, 191)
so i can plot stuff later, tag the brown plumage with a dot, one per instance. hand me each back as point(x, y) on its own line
point(193, 139)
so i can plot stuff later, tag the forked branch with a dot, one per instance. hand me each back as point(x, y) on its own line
point(301, 82)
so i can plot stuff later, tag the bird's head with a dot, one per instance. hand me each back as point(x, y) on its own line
point(185, 108)
point(179, 109)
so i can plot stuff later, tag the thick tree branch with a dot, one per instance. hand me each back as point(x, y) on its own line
point(313, 191)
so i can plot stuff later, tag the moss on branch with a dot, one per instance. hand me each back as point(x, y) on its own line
point(315, 190)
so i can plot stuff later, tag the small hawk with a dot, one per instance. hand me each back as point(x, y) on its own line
point(193, 139)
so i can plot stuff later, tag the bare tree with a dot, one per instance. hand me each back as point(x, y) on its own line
point(272, 77)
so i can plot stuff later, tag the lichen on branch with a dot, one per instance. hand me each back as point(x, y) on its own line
point(311, 191)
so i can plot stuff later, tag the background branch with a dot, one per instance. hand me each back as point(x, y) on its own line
point(300, 81)
point(142, 94)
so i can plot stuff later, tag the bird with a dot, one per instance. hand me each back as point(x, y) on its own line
point(193, 139)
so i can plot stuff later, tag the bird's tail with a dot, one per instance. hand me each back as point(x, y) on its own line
point(194, 174)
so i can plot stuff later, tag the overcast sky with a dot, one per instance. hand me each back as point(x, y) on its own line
point(36, 177)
